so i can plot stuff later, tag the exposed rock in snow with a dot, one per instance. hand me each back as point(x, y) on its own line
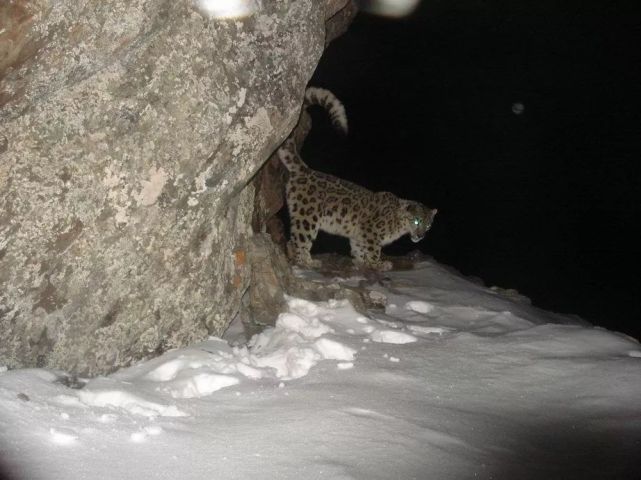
point(130, 130)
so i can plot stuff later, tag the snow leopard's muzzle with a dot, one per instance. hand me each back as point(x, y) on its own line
point(418, 234)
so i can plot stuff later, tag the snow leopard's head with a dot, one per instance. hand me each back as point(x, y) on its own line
point(419, 219)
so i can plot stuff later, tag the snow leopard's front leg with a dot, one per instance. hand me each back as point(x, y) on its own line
point(367, 253)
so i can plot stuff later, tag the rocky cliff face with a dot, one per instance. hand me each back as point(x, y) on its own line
point(129, 133)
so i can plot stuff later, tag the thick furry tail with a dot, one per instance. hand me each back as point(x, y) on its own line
point(289, 156)
point(327, 100)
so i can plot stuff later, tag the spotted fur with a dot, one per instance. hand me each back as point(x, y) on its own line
point(333, 106)
point(318, 201)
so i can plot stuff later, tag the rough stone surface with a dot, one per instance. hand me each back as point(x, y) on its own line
point(271, 280)
point(129, 132)
point(339, 16)
point(269, 198)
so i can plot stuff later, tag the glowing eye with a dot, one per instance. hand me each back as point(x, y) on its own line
point(417, 221)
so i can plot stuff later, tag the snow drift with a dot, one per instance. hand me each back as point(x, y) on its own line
point(453, 380)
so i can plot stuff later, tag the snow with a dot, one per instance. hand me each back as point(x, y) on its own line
point(452, 380)
point(418, 306)
point(62, 437)
point(390, 336)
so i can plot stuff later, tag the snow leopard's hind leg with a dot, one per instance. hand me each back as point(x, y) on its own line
point(302, 236)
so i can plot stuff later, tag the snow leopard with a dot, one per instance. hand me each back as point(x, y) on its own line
point(319, 201)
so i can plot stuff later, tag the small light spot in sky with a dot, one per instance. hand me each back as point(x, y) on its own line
point(226, 9)
point(517, 108)
point(389, 8)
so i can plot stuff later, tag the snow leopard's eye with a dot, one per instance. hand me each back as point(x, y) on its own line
point(417, 221)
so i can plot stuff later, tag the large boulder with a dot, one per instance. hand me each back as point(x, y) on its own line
point(129, 133)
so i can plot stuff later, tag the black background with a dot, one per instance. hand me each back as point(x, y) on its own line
point(546, 202)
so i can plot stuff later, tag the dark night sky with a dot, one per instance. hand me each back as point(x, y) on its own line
point(546, 202)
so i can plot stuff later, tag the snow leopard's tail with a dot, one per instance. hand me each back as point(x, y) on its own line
point(287, 152)
point(289, 156)
point(327, 100)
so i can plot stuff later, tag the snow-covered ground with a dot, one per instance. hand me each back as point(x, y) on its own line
point(452, 381)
